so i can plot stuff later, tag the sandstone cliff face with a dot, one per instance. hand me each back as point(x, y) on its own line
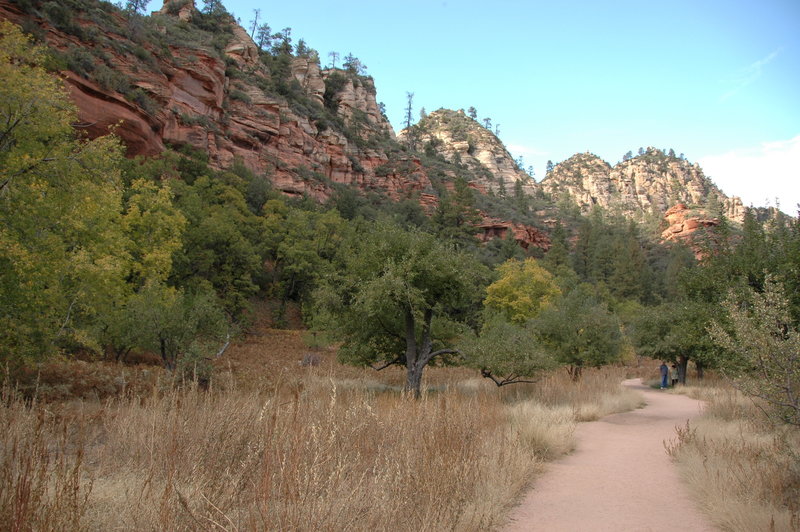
point(683, 226)
point(648, 183)
point(525, 235)
point(460, 139)
point(214, 102)
point(356, 102)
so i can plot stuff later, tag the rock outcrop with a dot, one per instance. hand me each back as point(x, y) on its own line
point(639, 186)
point(461, 140)
point(525, 235)
point(684, 225)
point(355, 101)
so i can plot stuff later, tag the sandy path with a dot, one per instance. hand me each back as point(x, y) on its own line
point(619, 478)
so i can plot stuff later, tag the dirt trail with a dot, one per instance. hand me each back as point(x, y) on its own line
point(619, 478)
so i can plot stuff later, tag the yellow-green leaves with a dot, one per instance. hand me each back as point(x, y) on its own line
point(523, 290)
point(155, 228)
point(62, 249)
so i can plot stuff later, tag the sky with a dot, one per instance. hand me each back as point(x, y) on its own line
point(718, 81)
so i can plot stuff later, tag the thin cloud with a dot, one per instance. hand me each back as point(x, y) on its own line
point(525, 151)
point(762, 175)
point(750, 74)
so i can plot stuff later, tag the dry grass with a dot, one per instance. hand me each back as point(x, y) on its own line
point(598, 393)
point(744, 472)
point(277, 445)
point(305, 457)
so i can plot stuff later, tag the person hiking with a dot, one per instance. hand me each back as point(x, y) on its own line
point(664, 374)
point(674, 374)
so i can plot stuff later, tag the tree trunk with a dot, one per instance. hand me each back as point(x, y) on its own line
point(414, 380)
point(574, 372)
point(683, 361)
point(169, 363)
point(700, 370)
point(413, 369)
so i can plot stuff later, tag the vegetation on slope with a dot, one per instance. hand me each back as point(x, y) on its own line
point(107, 257)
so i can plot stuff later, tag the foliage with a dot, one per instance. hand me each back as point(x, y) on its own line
point(397, 297)
point(580, 331)
point(676, 331)
point(175, 324)
point(523, 290)
point(505, 352)
point(61, 247)
point(764, 342)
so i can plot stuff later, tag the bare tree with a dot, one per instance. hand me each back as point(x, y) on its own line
point(254, 26)
point(334, 58)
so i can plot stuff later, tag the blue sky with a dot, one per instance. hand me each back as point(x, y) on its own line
point(718, 81)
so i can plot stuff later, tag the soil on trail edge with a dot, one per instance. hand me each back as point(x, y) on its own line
point(619, 478)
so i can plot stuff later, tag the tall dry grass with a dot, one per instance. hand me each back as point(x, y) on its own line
point(315, 450)
point(744, 471)
point(598, 393)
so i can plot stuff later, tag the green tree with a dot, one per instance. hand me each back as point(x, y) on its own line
point(153, 228)
point(677, 332)
point(579, 331)
point(505, 352)
point(175, 324)
point(136, 6)
point(398, 297)
point(456, 217)
point(221, 243)
point(764, 344)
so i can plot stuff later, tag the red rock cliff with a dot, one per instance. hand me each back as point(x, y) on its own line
point(195, 99)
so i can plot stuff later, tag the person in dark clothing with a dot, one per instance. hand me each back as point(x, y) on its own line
point(664, 374)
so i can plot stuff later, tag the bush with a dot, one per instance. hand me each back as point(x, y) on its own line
point(241, 96)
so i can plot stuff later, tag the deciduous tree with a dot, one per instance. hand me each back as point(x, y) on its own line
point(398, 298)
point(764, 344)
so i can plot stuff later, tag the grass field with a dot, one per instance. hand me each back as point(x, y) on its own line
point(275, 444)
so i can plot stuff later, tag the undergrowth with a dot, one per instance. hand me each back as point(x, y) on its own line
point(743, 470)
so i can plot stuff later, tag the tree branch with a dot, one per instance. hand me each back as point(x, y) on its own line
point(441, 352)
point(508, 379)
point(387, 364)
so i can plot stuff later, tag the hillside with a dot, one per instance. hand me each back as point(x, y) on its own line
point(187, 79)
point(181, 77)
point(651, 182)
point(461, 140)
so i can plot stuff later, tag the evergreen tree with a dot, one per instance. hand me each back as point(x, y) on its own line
point(409, 110)
point(472, 113)
point(136, 6)
point(264, 37)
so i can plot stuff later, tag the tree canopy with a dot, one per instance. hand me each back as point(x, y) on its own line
point(398, 297)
